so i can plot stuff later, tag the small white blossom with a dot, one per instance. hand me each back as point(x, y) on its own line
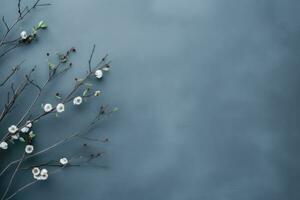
point(3, 145)
point(29, 149)
point(47, 107)
point(25, 129)
point(97, 93)
point(77, 100)
point(13, 129)
point(60, 107)
point(98, 73)
point(28, 124)
point(37, 177)
point(15, 136)
point(44, 177)
point(63, 161)
point(23, 35)
point(36, 171)
point(44, 171)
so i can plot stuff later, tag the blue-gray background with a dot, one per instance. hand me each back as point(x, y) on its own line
point(208, 92)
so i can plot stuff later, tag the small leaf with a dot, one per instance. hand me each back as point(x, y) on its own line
point(79, 81)
point(51, 65)
point(105, 69)
point(88, 84)
point(64, 60)
point(31, 134)
point(33, 31)
point(41, 25)
point(115, 109)
point(84, 92)
point(22, 139)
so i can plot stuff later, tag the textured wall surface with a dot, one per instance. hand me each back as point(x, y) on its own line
point(208, 92)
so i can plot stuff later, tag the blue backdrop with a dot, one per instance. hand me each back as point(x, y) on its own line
point(208, 92)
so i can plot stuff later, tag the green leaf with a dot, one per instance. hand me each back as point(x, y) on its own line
point(51, 65)
point(85, 92)
point(21, 139)
point(64, 60)
point(88, 84)
point(79, 80)
point(31, 134)
point(115, 109)
point(33, 31)
point(41, 25)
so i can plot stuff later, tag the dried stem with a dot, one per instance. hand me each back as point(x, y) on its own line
point(13, 71)
point(13, 176)
point(21, 14)
point(98, 118)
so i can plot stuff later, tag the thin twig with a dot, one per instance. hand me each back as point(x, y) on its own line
point(13, 71)
point(13, 176)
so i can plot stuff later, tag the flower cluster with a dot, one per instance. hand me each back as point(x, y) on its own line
point(23, 132)
point(27, 38)
point(39, 174)
point(15, 135)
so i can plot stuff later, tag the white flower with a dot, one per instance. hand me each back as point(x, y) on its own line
point(77, 100)
point(97, 93)
point(35, 171)
point(15, 136)
point(44, 171)
point(47, 107)
point(63, 161)
point(25, 129)
point(12, 129)
point(29, 149)
point(44, 177)
point(23, 35)
point(3, 145)
point(28, 124)
point(98, 73)
point(37, 177)
point(60, 107)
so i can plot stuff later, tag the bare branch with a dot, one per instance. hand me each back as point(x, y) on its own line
point(4, 22)
point(13, 71)
point(91, 57)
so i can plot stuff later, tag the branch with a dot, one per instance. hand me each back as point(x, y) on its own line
point(13, 176)
point(22, 14)
point(99, 117)
point(13, 71)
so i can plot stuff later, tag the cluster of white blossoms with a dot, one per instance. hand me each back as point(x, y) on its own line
point(39, 174)
point(24, 35)
point(27, 127)
point(59, 107)
point(14, 131)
